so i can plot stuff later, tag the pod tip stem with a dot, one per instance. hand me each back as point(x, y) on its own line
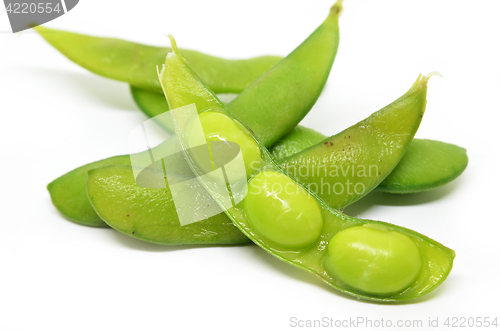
point(336, 8)
point(423, 79)
point(174, 44)
point(434, 73)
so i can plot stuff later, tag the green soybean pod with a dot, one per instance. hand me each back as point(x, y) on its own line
point(152, 218)
point(296, 226)
point(297, 140)
point(69, 196)
point(356, 160)
point(427, 164)
point(289, 81)
point(136, 63)
point(152, 104)
point(149, 214)
point(71, 202)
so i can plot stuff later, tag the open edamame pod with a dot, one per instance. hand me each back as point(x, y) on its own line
point(371, 260)
point(135, 63)
point(317, 52)
point(427, 164)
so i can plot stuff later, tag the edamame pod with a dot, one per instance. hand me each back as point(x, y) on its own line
point(152, 104)
point(68, 193)
point(353, 162)
point(149, 214)
point(139, 216)
point(136, 64)
point(367, 259)
point(321, 46)
point(297, 140)
point(269, 103)
point(426, 164)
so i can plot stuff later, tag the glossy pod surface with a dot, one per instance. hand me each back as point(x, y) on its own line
point(289, 81)
point(353, 162)
point(426, 164)
point(429, 261)
point(140, 212)
point(136, 63)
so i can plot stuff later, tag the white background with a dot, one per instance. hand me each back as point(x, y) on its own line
point(55, 116)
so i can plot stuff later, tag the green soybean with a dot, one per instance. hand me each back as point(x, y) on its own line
point(296, 223)
point(351, 253)
point(213, 122)
point(136, 63)
point(429, 264)
point(292, 110)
